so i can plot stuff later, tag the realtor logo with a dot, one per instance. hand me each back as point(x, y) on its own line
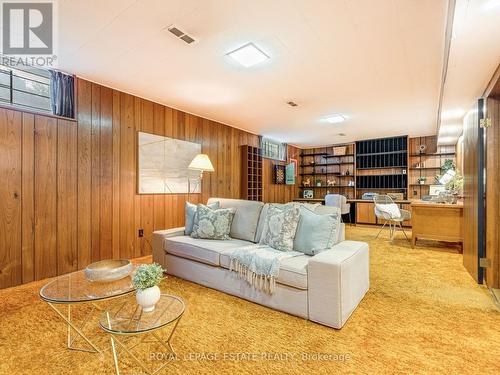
point(27, 28)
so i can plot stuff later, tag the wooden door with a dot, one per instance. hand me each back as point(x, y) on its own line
point(492, 192)
point(472, 191)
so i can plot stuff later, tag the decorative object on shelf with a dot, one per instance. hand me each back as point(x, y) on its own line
point(308, 194)
point(350, 183)
point(296, 165)
point(312, 162)
point(330, 183)
point(290, 172)
point(306, 182)
point(403, 171)
point(162, 164)
point(318, 182)
point(421, 149)
point(201, 163)
point(146, 280)
point(339, 151)
point(108, 270)
point(421, 180)
point(279, 174)
point(347, 173)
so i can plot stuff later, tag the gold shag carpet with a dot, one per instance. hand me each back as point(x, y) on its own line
point(423, 314)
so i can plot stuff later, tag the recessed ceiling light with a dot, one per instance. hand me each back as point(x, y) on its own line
point(341, 134)
point(335, 119)
point(248, 55)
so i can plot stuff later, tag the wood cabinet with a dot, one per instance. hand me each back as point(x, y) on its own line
point(251, 173)
point(365, 213)
point(437, 221)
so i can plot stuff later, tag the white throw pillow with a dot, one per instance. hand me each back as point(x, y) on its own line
point(280, 226)
point(213, 224)
point(191, 212)
point(315, 232)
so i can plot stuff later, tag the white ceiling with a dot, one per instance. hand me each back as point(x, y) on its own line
point(377, 62)
point(474, 56)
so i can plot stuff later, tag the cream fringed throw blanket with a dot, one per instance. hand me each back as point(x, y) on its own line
point(259, 265)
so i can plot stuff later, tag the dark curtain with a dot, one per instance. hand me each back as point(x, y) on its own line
point(62, 94)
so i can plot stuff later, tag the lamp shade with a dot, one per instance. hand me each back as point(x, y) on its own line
point(201, 162)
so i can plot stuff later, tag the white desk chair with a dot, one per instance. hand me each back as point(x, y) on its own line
point(387, 210)
point(340, 201)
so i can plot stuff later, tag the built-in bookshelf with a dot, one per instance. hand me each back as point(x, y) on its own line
point(328, 170)
point(426, 160)
point(382, 166)
point(251, 173)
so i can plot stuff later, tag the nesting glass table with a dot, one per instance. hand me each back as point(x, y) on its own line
point(129, 326)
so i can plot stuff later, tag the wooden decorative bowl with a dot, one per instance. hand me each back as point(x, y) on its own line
point(108, 270)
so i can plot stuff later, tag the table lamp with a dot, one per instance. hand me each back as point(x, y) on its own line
point(202, 163)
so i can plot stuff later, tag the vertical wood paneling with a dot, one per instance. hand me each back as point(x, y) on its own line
point(95, 153)
point(76, 187)
point(10, 198)
point(116, 125)
point(45, 197)
point(147, 201)
point(106, 175)
point(28, 198)
point(127, 177)
point(67, 162)
point(84, 171)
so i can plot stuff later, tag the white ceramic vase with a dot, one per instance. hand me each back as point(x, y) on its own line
point(148, 298)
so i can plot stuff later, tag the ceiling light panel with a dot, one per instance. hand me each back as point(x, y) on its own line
point(335, 119)
point(248, 55)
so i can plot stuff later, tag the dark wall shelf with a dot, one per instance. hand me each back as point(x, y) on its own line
point(436, 154)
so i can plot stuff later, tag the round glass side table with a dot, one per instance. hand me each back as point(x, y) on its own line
point(127, 319)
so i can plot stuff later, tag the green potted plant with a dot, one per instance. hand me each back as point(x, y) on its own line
point(421, 180)
point(146, 280)
point(455, 185)
point(318, 182)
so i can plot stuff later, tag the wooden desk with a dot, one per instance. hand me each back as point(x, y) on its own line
point(437, 221)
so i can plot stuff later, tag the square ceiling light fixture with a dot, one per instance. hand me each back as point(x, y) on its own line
point(248, 55)
point(335, 119)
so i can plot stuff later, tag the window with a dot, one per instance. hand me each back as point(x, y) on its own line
point(25, 87)
point(273, 149)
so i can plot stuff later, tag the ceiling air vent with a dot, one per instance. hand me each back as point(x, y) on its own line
point(181, 34)
point(292, 104)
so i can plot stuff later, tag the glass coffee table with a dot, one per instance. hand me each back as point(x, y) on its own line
point(74, 289)
point(130, 326)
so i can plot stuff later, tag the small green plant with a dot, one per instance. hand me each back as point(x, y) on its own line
point(319, 182)
point(456, 184)
point(147, 276)
point(421, 180)
point(447, 165)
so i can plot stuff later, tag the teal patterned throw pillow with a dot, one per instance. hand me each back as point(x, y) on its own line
point(213, 224)
point(280, 226)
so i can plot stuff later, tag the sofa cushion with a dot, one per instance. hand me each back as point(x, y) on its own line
point(191, 211)
point(201, 250)
point(212, 224)
point(280, 226)
point(315, 232)
point(245, 219)
point(262, 220)
point(293, 271)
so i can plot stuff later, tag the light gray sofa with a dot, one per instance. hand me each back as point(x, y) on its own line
point(324, 288)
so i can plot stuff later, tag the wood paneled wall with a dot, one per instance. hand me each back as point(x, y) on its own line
point(68, 188)
point(278, 193)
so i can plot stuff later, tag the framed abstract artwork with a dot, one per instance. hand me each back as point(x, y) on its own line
point(162, 164)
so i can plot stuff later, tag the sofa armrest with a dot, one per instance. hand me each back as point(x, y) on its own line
point(158, 240)
point(338, 279)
